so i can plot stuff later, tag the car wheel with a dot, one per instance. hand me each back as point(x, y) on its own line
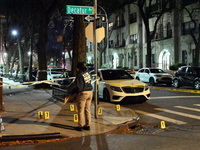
point(197, 85)
point(138, 78)
point(176, 83)
point(151, 81)
point(106, 95)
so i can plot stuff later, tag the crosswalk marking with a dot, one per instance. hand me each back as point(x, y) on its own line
point(188, 108)
point(161, 117)
point(178, 113)
point(196, 104)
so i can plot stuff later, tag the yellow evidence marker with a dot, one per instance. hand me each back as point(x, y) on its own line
point(75, 117)
point(46, 115)
point(118, 107)
point(40, 114)
point(100, 111)
point(162, 125)
point(72, 107)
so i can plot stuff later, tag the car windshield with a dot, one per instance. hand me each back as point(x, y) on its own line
point(157, 71)
point(115, 74)
point(197, 70)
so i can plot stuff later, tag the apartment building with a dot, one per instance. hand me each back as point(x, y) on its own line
point(171, 44)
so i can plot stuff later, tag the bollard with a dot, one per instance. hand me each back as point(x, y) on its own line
point(1, 94)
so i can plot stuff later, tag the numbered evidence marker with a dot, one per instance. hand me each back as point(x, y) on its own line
point(118, 107)
point(162, 125)
point(46, 115)
point(75, 117)
point(100, 111)
point(40, 114)
point(71, 107)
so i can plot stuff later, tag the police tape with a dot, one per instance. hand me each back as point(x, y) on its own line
point(52, 82)
point(157, 88)
point(25, 84)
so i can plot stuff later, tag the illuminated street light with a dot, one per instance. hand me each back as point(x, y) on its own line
point(29, 53)
point(14, 32)
point(5, 54)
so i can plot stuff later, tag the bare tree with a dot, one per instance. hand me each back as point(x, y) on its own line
point(146, 11)
point(195, 31)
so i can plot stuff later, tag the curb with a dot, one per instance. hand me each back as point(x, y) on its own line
point(31, 137)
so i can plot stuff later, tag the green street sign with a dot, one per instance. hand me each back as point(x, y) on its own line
point(79, 10)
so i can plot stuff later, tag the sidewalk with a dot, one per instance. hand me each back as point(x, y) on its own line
point(20, 116)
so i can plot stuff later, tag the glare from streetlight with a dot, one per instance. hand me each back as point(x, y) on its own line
point(14, 32)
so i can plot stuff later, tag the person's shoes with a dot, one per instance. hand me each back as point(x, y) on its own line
point(86, 128)
point(79, 128)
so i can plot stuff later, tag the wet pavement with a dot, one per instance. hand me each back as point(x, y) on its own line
point(30, 112)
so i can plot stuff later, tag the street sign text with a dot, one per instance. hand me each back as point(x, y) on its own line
point(79, 10)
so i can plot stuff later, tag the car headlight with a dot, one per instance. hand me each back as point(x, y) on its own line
point(115, 88)
point(146, 87)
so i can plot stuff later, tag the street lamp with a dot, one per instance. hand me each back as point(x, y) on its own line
point(14, 32)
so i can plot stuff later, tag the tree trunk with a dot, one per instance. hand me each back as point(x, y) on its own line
point(148, 58)
point(79, 40)
point(42, 40)
point(30, 59)
point(21, 60)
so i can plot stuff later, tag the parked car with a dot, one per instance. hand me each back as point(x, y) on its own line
point(53, 73)
point(33, 75)
point(187, 76)
point(154, 76)
point(116, 85)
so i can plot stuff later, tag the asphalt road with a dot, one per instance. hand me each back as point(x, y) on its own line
point(178, 110)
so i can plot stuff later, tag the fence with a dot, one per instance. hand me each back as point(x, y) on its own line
point(59, 93)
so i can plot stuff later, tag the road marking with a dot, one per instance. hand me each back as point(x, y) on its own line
point(178, 113)
point(188, 108)
point(161, 117)
point(169, 97)
point(196, 104)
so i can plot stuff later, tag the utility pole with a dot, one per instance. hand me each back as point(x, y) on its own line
point(95, 58)
point(1, 94)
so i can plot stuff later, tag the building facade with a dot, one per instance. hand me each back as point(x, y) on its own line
point(171, 44)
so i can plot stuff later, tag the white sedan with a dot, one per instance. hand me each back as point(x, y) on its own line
point(116, 85)
point(154, 76)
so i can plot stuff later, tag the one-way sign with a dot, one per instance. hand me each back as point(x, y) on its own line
point(89, 18)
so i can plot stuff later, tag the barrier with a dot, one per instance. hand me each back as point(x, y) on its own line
point(59, 93)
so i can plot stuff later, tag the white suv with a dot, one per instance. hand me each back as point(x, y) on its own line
point(153, 76)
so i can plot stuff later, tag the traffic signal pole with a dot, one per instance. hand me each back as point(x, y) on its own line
point(95, 59)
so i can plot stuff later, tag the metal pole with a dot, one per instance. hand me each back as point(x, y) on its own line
point(107, 41)
point(1, 94)
point(95, 59)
